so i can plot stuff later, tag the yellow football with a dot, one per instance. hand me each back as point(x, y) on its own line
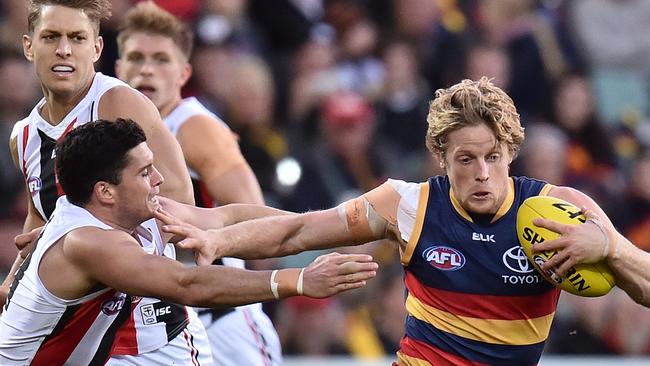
point(594, 279)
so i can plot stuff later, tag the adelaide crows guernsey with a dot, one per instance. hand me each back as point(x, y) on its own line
point(472, 296)
point(39, 328)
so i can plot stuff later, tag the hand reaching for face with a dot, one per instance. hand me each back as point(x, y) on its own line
point(195, 239)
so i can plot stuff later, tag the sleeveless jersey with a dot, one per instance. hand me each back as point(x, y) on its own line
point(36, 140)
point(39, 328)
point(159, 332)
point(243, 335)
point(472, 296)
point(152, 323)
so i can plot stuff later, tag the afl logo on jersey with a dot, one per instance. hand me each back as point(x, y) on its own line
point(34, 184)
point(113, 305)
point(444, 258)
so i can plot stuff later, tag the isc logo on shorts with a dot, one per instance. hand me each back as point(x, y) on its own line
point(150, 313)
point(444, 258)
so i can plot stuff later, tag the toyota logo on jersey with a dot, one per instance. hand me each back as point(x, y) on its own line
point(444, 258)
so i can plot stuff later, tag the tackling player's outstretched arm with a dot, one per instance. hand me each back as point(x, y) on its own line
point(173, 212)
point(123, 102)
point(356, 221)
point(114, 258)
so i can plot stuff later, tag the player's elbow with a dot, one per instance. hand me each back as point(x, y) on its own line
point(185, 288)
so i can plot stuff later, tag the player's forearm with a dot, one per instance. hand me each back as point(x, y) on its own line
point(222, 286)
point(32, 221)
point(236, 213)
point(283, 235)
point(630, 265)
point(10, 276)
point(256, 239)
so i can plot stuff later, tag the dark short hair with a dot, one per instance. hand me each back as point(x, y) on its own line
point(93, 152)
point(95, 9)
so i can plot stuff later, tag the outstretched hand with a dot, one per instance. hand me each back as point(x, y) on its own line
point(195, 239)
point(332, 273)
point(583, 243)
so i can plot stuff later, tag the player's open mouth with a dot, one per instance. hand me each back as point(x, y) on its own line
point(145, 89)
point(480, 195)
point(63, 69)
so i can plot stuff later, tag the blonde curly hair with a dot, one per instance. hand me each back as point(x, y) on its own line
point(470, 103)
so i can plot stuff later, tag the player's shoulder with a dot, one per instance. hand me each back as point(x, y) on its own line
point(122, 100)
point(404, 188)
point(122, 92)
point(568, 194)
point(206, 123)
point(89, 237)
point(18, 127)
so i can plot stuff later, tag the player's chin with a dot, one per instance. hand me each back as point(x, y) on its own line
point(153, 204)
point(483, 206)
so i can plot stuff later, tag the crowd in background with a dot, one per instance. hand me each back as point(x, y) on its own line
point(330, 97)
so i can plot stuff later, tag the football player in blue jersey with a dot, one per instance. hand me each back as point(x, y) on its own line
point(472, 297)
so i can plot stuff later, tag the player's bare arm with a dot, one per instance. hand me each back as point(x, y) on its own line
point(213, 218)
point(120, 263)
point(122, 102)
point(574, 251)
point(366, 218)
point(32, 222)
point(211, 149)
point(596, 240)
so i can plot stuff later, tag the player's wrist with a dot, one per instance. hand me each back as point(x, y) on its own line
point(287, 282)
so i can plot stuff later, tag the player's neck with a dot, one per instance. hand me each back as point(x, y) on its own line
point(58, 105)
point(107, 215)
point(168, 108)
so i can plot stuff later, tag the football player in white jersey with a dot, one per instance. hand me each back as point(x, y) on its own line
point(95, 240)
point(63, 42)
point(154, 48)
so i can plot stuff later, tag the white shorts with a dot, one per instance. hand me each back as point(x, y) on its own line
point(190, 347)
point(244, 336)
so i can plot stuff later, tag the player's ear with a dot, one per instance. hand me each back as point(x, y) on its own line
point(104, 192)
point(27, 48)
point(441, 160)
point(99, 46)
point(117, 69)
point(186, 73)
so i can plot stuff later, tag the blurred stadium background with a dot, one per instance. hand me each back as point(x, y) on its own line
point(329, 98)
